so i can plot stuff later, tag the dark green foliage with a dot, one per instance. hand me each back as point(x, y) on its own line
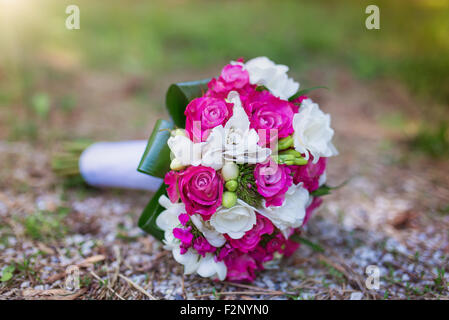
point(247, 188)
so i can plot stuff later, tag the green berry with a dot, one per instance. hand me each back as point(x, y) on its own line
point(231, 185)
point(229, 199)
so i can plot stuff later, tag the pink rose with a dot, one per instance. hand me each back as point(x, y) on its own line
point(205, 113)
point(201, 190)
point(309, 174)
point(273, 181)
point(171, 180)
point(252, 237)
point(232, 77)
point(266, 112)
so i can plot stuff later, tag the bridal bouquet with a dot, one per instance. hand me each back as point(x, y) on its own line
point(244, 167)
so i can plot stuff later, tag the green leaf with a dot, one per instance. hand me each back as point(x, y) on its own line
point(178, 97)
point(325, 189)
point(7, 273)
point(156, 158)
point(298, 239)
point(305, 91)
point(147, 221)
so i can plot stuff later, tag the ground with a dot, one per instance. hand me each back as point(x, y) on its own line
point(392, 213)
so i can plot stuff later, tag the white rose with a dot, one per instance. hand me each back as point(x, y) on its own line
point(263, 71)
point(313, 133)
point(209, 268)
point(234, 221)
point(292, 212)
point(212, 236)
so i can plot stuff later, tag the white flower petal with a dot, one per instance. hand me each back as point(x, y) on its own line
point(212, 236)
point(183, 149)
point(292, 212)
point(168, 219)
point(313, 133)
point(209, 268)
point(234, 221)
point(190, 259)
point(263, 71)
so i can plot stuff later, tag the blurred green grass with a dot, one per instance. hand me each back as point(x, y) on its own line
point(155, 38)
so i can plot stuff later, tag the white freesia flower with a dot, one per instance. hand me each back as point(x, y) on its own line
point(235, 141)
point(168, 220)
point(185, 151)
point(209, 268)
point(190, 259)
point(292, 212)
point(234, 221)
point(313, 133)
point(212, 236)
point(262, 71)
point(205, 266)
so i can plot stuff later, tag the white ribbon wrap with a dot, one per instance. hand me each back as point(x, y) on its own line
point(114, 164)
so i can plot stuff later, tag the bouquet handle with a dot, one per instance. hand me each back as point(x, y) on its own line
point(114, 164)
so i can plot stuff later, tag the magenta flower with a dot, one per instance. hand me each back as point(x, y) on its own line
point(171, 179)
point(205, 113)
point(316, 202)
point(252, 237)
point(241, 267)
point(226, 250)
point(202, 246)
point(232, 78)
point(297, 102)
point(201, 190)
point(260, 256)
point(266, 112)
point(309, 174)
point(185, 235)
point(290, 247)
point(184, 218)
point(272, 182)
point(275, 244)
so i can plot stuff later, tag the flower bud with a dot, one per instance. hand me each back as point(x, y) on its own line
point(178, 132)
point(230, 171)
point(176, 165)
point(229, 199)
point(285, 143)
point(231, 185)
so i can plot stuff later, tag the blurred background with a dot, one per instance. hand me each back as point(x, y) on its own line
point(388, 96)
point(57, 83)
